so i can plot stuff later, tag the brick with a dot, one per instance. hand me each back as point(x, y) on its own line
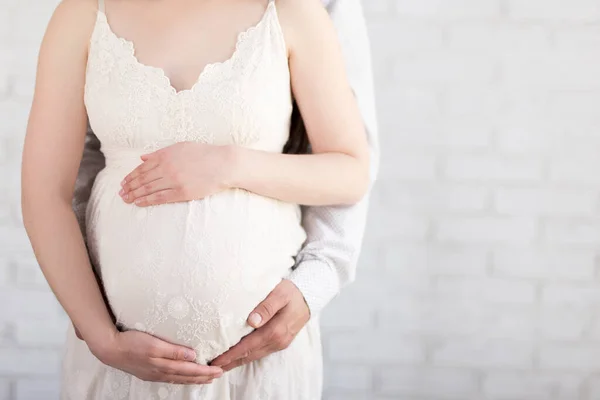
point(355, 377)
point(458, 9)
point(27, 389)
point(347, 395)
point(438, 383)
point(563, 295)
point(14, 116)
point(15, 239)
point(545, 264)
point(412, 108)
point(408, 37)
point(486, 169)
point(421, 317)
point(475, 101)
point(567, 70)
point(31, 362)
point(28, 273)
point(574, 170)
point(593, 389)
point(456, 260)
point(564, 323)
point(515, 139)
point(491, 38)
point(593, 328)
point(377, 7)
point(381, 348)
point(578, 357)
point(554, 10)
point(15, 303)
point(344, 314)
point(394, 225)
point(530, 201)
point(50, 332)
point(572, 233)
point(485, 289)
point(455, 317)
point(582, 104)
point(484, 354)
point(530, 386)
point(438, 197)
point(427, 132)
point(444, 69)
point(5, 389)
point(581, 37)
point(486, 230)
point(5, 272)
point(407, 167)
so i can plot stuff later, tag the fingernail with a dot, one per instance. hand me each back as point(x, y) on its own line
point(123, 182)
point(126, 197)
point(189, 355)
point(255, 319)
point(121, 192)
point(138, 201)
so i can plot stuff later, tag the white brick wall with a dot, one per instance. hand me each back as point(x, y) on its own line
point(479, 279)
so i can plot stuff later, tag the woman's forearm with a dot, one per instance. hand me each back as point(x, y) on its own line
point(62, 255)
point(310, 179)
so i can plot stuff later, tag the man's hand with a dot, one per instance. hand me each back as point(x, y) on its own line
point(277, 320)
point(180, 172)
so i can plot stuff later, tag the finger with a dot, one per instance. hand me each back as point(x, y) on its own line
point(142, 179)
point(257, 355)
point(147, 189)
point(186, 368)
point(249, 344)
point(140, 169)
point(186, 380)
point(266, 310)
point(161, 349)
point(160, 197)
point(147, 156)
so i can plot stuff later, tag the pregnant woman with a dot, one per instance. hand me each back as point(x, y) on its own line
point(220, 74)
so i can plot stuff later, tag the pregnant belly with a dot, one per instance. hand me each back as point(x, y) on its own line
point(190, 273)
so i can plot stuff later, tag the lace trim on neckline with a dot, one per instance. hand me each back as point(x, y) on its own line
point(207, 69)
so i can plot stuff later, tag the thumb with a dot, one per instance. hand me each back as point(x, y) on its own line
point(267, 309)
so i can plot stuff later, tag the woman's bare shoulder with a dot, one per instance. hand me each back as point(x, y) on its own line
point(74, 17)
point(303, 20)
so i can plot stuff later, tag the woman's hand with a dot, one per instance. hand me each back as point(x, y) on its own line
point(151, 359)
point(181, 172)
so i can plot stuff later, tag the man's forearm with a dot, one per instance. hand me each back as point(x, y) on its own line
point(334, 234)
point(328, 261)
point(92, 162)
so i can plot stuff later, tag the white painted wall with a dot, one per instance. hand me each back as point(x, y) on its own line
point(480, 277)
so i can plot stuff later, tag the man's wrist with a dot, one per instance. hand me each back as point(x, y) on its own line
point(317, 281)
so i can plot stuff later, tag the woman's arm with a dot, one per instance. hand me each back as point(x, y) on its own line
point(51, 157)
point(336, 173)
point(338, 170)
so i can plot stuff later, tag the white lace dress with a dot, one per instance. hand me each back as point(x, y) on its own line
point(191, 273)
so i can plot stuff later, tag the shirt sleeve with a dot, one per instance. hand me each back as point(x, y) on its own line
point(327, 262)
point(92, 162)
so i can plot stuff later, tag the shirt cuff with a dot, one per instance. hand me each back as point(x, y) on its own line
point(318, 282)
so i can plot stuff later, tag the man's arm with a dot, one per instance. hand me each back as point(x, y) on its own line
point(92, 162)
point(334, 234)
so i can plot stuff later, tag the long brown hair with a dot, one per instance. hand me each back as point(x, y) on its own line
point(298, 141)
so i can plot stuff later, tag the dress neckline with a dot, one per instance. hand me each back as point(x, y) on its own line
point(241, 38)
